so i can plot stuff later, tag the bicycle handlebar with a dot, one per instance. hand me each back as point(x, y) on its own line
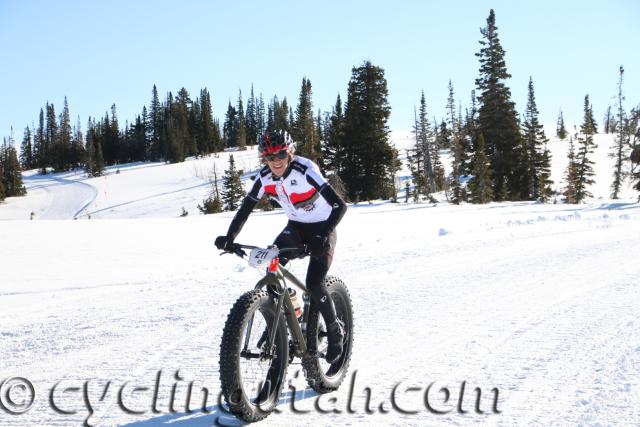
point(238, 250)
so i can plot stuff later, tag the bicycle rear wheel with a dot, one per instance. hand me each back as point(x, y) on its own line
point(322, 376)
point(252, 381)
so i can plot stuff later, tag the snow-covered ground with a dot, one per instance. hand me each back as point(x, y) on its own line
point(535, 304)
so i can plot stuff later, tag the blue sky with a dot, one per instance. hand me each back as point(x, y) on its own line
point(100, 53)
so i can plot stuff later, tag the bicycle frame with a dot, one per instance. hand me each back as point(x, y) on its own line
point(277, 280)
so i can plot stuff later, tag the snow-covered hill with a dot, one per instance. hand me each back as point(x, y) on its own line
point(537, 302)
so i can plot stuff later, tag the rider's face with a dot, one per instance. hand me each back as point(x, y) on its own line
point(277, 165)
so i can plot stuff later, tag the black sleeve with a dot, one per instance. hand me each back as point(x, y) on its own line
point(241, 217)
point(339, 207)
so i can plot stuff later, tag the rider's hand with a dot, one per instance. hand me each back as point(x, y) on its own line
point(224, 243)
point(318, 243)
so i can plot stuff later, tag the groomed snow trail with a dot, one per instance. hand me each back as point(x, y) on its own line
point(544, 306)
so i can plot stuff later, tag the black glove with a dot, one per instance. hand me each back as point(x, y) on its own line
point(318, 244)
point(224, 243)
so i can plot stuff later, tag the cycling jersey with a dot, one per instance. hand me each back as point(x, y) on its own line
point(302, 191)
point(297, 190)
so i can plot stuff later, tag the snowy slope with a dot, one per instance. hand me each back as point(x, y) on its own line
point(538, 301)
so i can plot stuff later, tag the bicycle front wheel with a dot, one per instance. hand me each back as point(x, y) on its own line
point(252, 378)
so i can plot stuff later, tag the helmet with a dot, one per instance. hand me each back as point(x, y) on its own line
point(273, 141)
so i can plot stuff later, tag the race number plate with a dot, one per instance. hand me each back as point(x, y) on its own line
point(260, 258)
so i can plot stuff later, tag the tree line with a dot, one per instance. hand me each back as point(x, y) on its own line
point(497, 154)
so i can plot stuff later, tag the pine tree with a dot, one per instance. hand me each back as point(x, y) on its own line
point(26, 150)
point(332, 149)
point(230, 129)
point(241, 125)
point(39, 145)
point(544, 176)
point(233, 191)
point(156, 150)
point(11, 171)
point(561, 131)
point(458, 193)
point(586, 145)
point(95, 157)
point(370, 161)
point(3, 193)
point(621, 142)
point(497, 116)
point(261, 125)
point(533, 158)
point(424, 149)
point(633, 130)
point(608, 120)
point(62, 160)
point(415, 160)
point(303, 128)
point(480, 185)
point(51, 136)
point(571, 176)
point(438, 167)
point(456, 134)
point(252, 121)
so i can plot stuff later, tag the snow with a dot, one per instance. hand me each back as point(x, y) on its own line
point(539, 301)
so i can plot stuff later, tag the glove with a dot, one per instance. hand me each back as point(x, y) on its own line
point(318, 243)
point(224, 243)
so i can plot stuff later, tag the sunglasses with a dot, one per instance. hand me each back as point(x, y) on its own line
point(281, 155)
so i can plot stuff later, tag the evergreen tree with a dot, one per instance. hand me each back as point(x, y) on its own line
point(303, 127)
point(561, 131)
point(3, 193)
point(458, 193)
point(252, 121)
point(232, 188)
point(78, 153)
point(480, 185)
point(544, 176)
point(261, 125)
point(571, 176)
point(454, 125)
point(621, 142)
point(51, 136)
point(241, 125)
point(438, 167)
point(95, 157)
point(209, 139)
point(62, 159)
point(39, 144)
point(26, 150)
point(332, 149)
point(230, 127)
point(415, 161)
point(586, 145)
point(11, 172)
point(608, 120)
point(424, 148)
point(369, 159)
point(533, 159)
point(633, 130)
point(497, 116)
point(156, 150)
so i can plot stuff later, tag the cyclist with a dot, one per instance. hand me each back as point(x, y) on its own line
point(314, 210)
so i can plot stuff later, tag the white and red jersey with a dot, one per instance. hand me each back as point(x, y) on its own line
point(297, 191)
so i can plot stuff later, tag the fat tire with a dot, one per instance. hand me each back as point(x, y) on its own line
point(317, 378)
point(231, 346)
